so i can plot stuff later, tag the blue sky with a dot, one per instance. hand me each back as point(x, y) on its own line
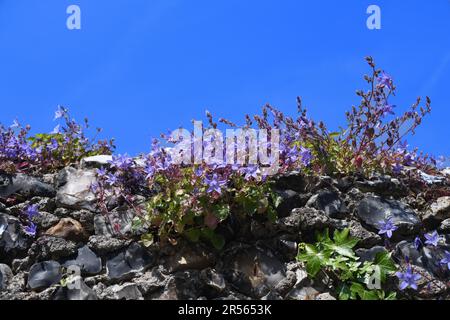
point(141, 67)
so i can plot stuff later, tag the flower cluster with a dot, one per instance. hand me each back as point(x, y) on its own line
point(66, 144)
point(27, 215)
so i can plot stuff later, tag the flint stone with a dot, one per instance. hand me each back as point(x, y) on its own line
point(44, 274)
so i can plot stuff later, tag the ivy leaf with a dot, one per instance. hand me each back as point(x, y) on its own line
point(147, 240)
point(313, 259)
point(344, 292)
point(385, 264)
point(358, 289)
point(193, 234)
point(217, 240)
point(342, 244)
point(222, 211)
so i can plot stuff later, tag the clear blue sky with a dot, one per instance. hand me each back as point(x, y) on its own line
point(141, 67)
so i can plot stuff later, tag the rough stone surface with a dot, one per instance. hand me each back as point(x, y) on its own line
point(68, 229)
point(24, 185)
point(75, 189)
point(372, 210)
point(87, 260)
point(44, 274)
point(135, 258)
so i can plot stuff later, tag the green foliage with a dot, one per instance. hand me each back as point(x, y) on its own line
point(336, 258)
point(184, 206)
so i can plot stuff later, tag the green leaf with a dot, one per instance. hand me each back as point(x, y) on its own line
point(385, 264)
point(193, 234)
point(313, 258)
point(147, 240)
point(222, 211)
point(217, 240)
point(358, 289)
point(344, 292)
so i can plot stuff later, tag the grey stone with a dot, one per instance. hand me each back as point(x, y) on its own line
point(24, 185)
point(383, 185)
point(213, 280)
point(372, 210)
point(369, 254)
point(328, 202)
point(77, 292)
point(445, 226)
point(96, 161)
point(75, 189)
point(6, 276)
point(428, 258)
point(12, 237)
point(125, 264)
point(290, 200)
point(253, 272)
point(87, 260)
point(440, 209)
point(51, 248)
point(45, 220)
point(127, 291)
point(44, 274)
point(104, 244)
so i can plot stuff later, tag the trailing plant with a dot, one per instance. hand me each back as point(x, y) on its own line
point(336, 259)
point(48, 152)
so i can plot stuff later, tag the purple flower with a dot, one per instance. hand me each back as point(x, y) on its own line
point(387, 109)
point(111, 179)
point(198, 171)
point(122, 162)
point(149, 170)
point(101, 172)
point(432, 238)
point(306, 156)
point(30, 229)
point(56, 130)
point(214, 184)
point(60, 112)
point(387, 227)
point(292, 154)
point(31, 211)
point(417, 243)
point(397, 169)
point(15, 124)
point(408, 279)
point(385, 80)
point(446, 259)
point(250, 172)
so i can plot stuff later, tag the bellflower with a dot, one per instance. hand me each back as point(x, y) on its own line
point(15, 124)
point(60, 112)
point(446, 259)
point(387, 227)
point(385, 80)
point(306, 156)
point(31, 211)
point(432, 239)
point(408, 279)
point(31, 229)
point(214, 184)
point(56, 130)
point(417, 243)
point(397, 168)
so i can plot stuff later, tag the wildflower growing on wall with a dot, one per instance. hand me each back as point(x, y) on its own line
point(432, 239)
point(408, 279)
point(446, 260)
point(387, 227)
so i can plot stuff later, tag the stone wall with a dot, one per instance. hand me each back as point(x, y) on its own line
point(258, 261)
